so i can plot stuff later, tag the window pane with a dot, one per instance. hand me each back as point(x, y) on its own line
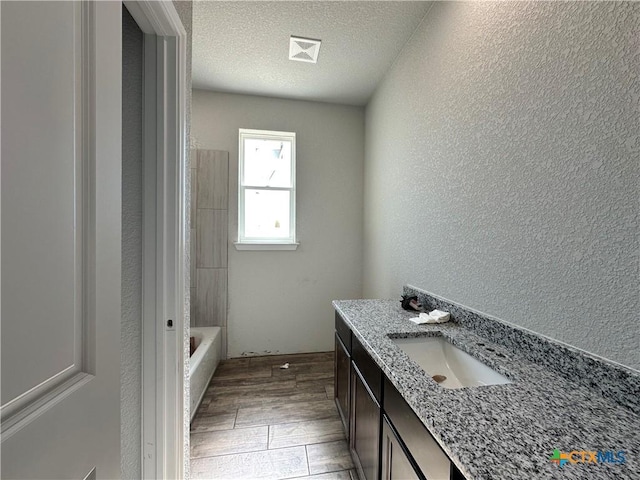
point(266, 213)
point(267, 163)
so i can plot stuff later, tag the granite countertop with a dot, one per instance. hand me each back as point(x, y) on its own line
point(500, 431)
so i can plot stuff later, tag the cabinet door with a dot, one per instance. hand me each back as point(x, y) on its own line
point(395, 463)
point(365, 429)
point(341, 382)
point(430, 460)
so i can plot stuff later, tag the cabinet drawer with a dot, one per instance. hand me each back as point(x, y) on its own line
point(371, 373)
point(344, 332)
point(430, 459)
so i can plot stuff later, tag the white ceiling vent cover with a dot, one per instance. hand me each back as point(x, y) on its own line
point(304, 49)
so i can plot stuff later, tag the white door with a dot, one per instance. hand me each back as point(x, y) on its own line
point(61, 167)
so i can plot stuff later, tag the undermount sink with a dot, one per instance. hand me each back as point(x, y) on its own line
point(449, 366)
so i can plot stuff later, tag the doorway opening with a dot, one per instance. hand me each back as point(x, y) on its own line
point(164, 333)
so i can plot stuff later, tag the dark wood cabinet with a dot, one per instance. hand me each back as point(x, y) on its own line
point(396, 464)
point(420, 446)
point(369, 369)
point(386, 438)
point(365, 428)
point(342, 379)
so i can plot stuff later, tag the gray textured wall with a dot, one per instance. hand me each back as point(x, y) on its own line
point(280, 301)
point(130, 331)
point(502, 168)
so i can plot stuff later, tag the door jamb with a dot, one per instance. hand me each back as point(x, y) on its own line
point(165, 419)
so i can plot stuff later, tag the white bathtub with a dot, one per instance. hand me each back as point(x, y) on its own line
point(204, 362)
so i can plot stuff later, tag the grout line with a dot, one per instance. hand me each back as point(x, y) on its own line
point(306, 454)
point(252, 451)
point(266, 449)
point(268, 437)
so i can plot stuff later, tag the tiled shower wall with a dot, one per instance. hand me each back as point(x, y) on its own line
point(209, 214)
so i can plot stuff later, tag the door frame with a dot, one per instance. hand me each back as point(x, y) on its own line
point(165, 416)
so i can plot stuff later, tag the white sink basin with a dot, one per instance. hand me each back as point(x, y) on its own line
point(440, 358)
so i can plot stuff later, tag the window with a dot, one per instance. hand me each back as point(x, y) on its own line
point(266, 190)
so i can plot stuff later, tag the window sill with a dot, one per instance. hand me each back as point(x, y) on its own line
point(265, 246)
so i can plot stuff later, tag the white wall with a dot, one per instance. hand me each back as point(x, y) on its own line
point(280, 301)
point(502, 168)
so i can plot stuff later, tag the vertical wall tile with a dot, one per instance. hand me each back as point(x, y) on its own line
point(193, 158)
point(205, 178)
point(220, 238)
point(192, 310)
point(194, 190)
point(209, 217)
point(204, 235)
point(221, 181)
point(211, 297)
point(211, 234)
point(223, 354)
point(192, 255)
point(213, 179)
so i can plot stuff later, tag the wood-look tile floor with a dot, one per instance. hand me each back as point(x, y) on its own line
point(258, 421)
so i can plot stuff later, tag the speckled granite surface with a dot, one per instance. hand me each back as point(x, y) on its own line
point(505, 431)
point(620, 384)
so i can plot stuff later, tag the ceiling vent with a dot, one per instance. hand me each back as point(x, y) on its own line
point(304, 49)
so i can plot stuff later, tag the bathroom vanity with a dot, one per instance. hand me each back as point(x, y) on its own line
point(401, 424)
point(386, 439)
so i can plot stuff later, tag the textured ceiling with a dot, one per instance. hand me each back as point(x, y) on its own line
point(243, 47)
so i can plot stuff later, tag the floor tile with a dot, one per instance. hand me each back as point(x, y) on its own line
point(329, 457)
point(329, 390)
point(286, 413)
point(302, 377)
point(243, 386)
point(205, 401)
point(217, 420)
point(304, 368)
point(242, 376)
point(241, 370)
point(268, 464)
point(277, 360)
point(224, 442)
point(267, 397)
point(259, 421)
point(341, 475)
point(324, 380)
point(303, 433)
point(235, 362)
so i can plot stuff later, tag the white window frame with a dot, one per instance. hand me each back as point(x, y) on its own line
point(266, 243)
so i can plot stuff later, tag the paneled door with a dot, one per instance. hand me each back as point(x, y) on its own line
point(61, 236)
